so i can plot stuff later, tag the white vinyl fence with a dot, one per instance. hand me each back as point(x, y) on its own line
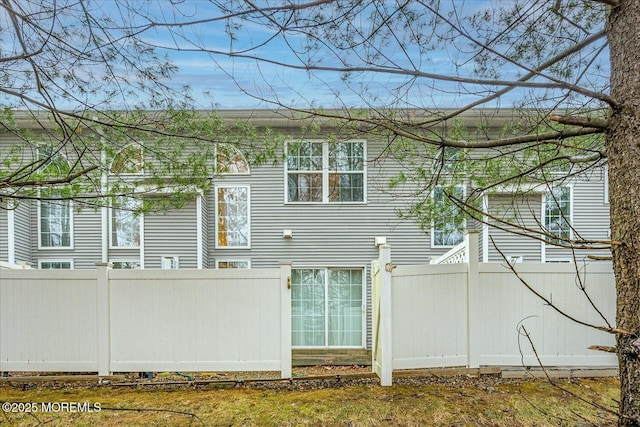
point(461, 314)
point(145, 320)
point(479, 314)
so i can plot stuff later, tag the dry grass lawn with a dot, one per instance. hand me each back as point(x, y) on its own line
point(469, 402)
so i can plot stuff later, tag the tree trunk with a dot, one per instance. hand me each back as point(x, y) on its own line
point(623, 150)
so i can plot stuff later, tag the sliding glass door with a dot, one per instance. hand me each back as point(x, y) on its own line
point(327, 308)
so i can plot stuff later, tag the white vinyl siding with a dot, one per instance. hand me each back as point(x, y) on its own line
point(512, 214)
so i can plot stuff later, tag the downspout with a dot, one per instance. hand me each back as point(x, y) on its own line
point(104, 211)
point(11, 234)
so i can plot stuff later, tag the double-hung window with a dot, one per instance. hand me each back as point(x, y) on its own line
point(325, 172)
point(56, 221)
point(125, 224)
point(557, 213)
point(448, 223)
point(232, 216)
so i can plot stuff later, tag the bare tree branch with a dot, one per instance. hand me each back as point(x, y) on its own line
point(511, 267)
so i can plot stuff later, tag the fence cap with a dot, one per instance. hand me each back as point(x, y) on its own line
point(104, 264)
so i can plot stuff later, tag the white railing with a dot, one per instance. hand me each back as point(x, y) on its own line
point(455, 255)
point(9, 266)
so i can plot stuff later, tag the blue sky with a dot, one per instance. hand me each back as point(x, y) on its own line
point(214, 79)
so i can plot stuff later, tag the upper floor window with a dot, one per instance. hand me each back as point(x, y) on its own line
point(557, 213)
point(128, 161)
point(55, 222)
point(125, 224)
point(326, 172)
point(449, 222)
point(232, 216)
point(229, 160)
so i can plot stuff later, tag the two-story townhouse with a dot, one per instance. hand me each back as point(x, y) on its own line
point(325, 208)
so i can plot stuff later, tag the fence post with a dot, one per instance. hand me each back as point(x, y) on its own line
point(474, 317)
point(285, 321)
point(385, 337)
point(103, 318)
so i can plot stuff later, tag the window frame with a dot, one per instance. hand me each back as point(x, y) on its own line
point(217, 245)
point(548, 240)
point(433, 229)
point(112, 213)
point(326, 172)
point(55, 260)
point(71, 226)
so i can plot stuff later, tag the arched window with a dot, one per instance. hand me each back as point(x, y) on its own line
point(128, 161)
point(53, 164)
point(229, 160)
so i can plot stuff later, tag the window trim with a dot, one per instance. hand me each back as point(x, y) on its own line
point(326, 172)
point(43, 260)
point(432, 230)
point(217, 213)
point(71, 228)
point(112, 212)
point(545, 240)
